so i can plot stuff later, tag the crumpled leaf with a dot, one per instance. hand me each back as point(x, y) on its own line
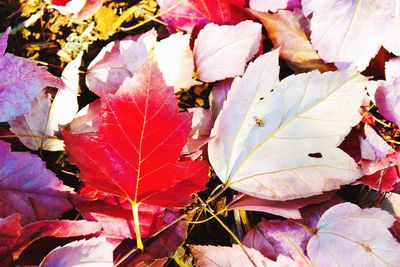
point(135, 153)
point(117, 61)
point(376, 153)
point(190, 15)
point(273, 5)
point(92, 252)
point(24, 81)
point(349, 236)
point(80, 9)
point(28, 188)
point(212, 256)
point(175, 60)
point(222, 51)
point(290, 125)
point(340, 28)
point(288, 30)
point(286, 238)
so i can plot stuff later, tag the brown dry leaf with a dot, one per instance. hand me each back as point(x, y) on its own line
point(288, 30)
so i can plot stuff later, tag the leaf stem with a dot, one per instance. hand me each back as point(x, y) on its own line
point(27, 136)
point(135, 213)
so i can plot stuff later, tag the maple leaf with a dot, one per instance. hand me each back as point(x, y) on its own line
point(135, 153)
point(95, 251)
point(27, 187)
point(348, 236)
point(213, 256)
point(272, 139)
point(192, 15)
point(24, 81)
point(339, 29)
point(222, 51)
point(288, 31)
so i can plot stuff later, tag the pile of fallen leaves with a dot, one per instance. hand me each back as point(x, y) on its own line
point(206, 133)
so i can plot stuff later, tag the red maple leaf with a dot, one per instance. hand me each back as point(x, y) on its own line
point(135, 153)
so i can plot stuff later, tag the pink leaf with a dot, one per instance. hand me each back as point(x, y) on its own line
point(286, 237)
point(212, 256)
point(92, 252)
point(87, 120)
point(349, 236)
point(222, 51)
point(387, 98)
point(118, 61)
point(287, 209)
point(28, 188)
point(55, 228)
point(24, 81)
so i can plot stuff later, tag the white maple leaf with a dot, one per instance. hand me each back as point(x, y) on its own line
point(279, 141)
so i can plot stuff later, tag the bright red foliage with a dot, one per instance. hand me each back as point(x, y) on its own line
point(140, 139)
point(191, 14)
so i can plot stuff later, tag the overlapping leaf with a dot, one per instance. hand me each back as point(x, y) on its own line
point(24, 81)
point(347, 235)
point(212, 256)
point(28, 188)
point(222, 51)
point(279, 140)
point(136, 150)
point(288, 31)
point(351, 32)
point(94, 252)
